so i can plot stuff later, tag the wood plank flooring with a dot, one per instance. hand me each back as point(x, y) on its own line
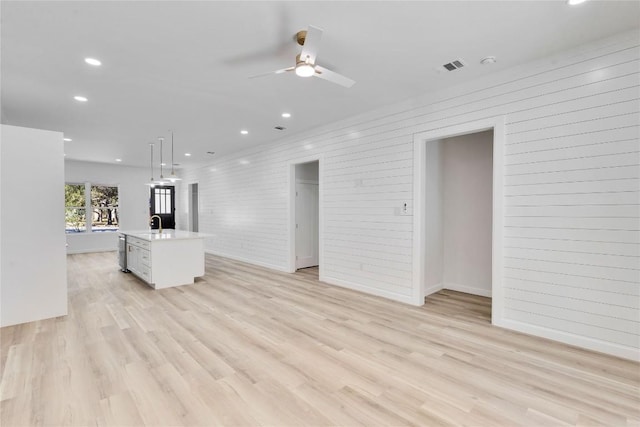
point(247, 346)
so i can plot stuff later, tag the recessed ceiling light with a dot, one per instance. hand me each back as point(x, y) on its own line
point(244, 132)
point(244, 162)
point(575, 2)
point(80, 98)
point(93, 61)
point(187, 154)
point(163, 164)
point(118, 160)
point(67, 139)
point(286, 115)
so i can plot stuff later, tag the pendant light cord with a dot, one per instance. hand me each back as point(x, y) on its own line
point(172, 171)
point(161, 141)
point(151, 163)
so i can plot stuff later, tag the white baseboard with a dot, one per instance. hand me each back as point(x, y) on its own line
point(467, 289)
point(432, 289)
point(406, 299)
point(571, 339)
point(248, 261)
point(89, 251)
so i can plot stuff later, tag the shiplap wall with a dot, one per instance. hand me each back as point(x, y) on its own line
point(571, 248)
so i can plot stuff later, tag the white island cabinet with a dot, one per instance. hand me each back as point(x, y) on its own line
point(163, 260)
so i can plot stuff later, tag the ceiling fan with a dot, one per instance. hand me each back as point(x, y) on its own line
point(306, 60)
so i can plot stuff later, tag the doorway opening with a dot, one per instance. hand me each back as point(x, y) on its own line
point(307, 209)
point(305, 215)
point(193, 207)
point(458, 212)
point(163, 204)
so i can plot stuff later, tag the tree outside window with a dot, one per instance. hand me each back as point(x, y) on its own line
point(104, 207)
point(101, 201)
point(75, 212)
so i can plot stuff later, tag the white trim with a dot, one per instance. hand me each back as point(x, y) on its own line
point(248, 261)
point(291, 208)
point(88, 209)
point(406, 299)
point(497, 124)
point(467, 289)
point(90, 251)
point(190, 205)
point(572, 339)
point(433, 289)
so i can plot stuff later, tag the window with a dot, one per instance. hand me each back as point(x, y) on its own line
point(162, 201)
point(104, 208)
point(101, 201)
point(75, 212)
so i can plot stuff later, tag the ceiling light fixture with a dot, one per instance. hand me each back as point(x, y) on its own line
point(67, 139)
point(244, 132)
point(80, 98)
point(488, 60)
point(575, 2)
point(304, 69)
point(244, 162)
point(286, 115)
point(118, 160)
point(93, 61)
point(187, 154)
point(173, 177)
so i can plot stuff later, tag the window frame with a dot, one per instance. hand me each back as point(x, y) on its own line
point(88, 207)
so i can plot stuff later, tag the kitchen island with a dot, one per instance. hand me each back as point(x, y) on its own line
point(163, 260)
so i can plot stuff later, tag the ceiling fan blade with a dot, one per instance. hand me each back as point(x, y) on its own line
point(282, 70)
point(333, 77)
point(311, 44)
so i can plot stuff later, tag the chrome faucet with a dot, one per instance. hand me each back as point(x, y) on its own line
point(159, 222)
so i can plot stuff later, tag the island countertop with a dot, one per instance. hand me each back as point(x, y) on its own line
point(165, 235)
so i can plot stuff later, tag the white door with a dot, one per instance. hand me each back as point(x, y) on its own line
point(307, 229)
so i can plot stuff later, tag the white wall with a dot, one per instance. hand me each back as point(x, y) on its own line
point(133, 198)
point(33, 278)
point(571, 193)
point(307, 172)
point(434, 249)
point(467, 165)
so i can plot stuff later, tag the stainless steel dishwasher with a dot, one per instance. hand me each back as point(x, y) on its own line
point(122, 252)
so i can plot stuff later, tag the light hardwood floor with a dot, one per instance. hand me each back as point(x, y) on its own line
point(250, 346)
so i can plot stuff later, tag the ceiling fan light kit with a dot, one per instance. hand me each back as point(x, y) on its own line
point(304, 69)
point(306, 60)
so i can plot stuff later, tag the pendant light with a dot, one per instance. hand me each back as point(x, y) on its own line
point(161, 181)
point(173, 177)
point(152, 182)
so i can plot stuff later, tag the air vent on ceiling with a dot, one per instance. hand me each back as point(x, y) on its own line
point(279, 128)
point(454, 65)
point(211, 152)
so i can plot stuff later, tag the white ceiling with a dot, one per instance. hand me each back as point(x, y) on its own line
point(185, 65)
